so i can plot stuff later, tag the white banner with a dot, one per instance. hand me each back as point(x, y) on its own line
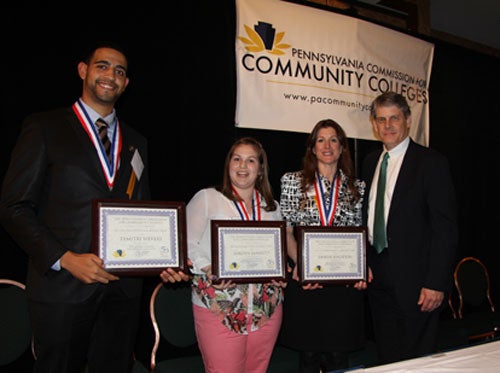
point(296, 65)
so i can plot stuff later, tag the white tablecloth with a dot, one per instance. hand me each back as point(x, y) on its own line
point(482, 358)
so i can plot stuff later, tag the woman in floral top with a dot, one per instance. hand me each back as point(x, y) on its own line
point(324, 323)
point(236, 325)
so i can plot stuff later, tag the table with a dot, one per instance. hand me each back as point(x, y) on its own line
point(481, 358)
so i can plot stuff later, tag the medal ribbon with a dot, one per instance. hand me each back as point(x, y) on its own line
point(240, 206)
point(108, 168)
point(326, 215)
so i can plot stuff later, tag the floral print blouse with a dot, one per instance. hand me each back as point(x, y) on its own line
point(245, 304)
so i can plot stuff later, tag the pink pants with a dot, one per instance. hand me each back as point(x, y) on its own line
point(225, 351)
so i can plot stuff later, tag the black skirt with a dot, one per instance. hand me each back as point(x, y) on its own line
point(328, 319)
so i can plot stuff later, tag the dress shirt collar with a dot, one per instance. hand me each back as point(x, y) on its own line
point(398, 149)
point(94, 115)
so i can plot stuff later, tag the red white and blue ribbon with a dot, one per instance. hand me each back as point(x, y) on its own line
point(327, 214)
point(240, 206)
point(109, 168)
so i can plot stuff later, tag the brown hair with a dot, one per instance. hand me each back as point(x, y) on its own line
point(262, 183)
point(310, 161)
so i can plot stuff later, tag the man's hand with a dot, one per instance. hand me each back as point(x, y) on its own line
point(430, 299)
point(88, 268)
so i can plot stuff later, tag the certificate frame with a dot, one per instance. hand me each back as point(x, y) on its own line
point(139, 238)
point(331, 255)
point(257, 264)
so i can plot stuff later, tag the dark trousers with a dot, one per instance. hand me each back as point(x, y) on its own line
point(400, 337)
point(98, 335)
point(399, 334)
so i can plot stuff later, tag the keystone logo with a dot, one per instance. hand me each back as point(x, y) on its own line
point(264, 37)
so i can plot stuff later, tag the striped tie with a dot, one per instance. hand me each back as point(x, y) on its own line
point(103, 134)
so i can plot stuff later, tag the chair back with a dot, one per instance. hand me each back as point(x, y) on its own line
point(450, 310)
point(472, 283)
point(15, 326)
point(172, 318)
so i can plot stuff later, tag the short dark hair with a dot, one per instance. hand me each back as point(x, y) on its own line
point(89, 51)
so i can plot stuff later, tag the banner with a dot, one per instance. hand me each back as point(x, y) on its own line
point(296, 65)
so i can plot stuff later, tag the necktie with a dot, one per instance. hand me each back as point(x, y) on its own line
point(103, 134)
point(379, 231)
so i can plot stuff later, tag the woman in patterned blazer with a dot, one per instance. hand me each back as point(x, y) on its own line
point(324, 323)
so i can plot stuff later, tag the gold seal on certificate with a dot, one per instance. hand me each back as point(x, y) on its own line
point(331, 255)
point(248, 251)
point(139, 237)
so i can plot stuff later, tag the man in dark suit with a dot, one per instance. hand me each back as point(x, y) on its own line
point(81, 314)
point(413, 271)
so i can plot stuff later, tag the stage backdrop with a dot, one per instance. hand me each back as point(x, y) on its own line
point(296, 65)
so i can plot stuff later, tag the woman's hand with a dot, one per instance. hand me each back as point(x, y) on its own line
point(281, 284)
point(170, 275)
point(362, 285)
point(224, 284)
point(312, 286)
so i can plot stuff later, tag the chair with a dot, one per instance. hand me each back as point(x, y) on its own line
point(451, 333)
point(15, 327)
point(172, 318)
point(475, 306)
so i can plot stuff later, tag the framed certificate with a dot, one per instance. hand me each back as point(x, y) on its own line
point(248, 251)
point(139, 237)
point(331, 255)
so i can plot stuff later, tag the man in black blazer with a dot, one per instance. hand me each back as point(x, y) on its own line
point(81, 314)
point(413, 272)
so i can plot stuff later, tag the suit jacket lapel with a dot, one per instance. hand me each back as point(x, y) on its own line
point(372, 166)
point(405, 179)
point(93, 165)
point(127, 152)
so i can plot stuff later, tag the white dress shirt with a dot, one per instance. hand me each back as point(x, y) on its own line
point(394, 162)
